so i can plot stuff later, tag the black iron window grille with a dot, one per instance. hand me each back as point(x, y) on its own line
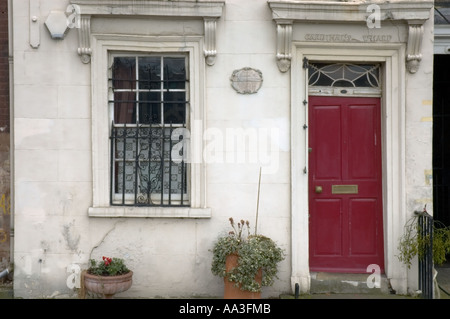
point(149, 106)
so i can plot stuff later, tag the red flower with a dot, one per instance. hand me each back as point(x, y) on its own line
point(107, 260)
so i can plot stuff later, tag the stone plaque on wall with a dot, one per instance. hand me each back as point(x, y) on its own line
point(246, 80)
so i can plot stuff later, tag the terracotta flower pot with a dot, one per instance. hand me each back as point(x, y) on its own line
point(108, 286)
point(232, 291)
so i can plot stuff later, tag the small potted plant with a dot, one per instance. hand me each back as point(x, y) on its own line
point(107, 277)
point(245, 261)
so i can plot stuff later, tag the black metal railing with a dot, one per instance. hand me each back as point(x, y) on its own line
point(425, 236)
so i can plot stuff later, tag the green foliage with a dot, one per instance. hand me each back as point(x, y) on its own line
point(107, 267)
point(254, 252)
point(412, 245)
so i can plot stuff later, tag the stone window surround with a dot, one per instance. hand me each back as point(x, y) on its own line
point(104, 45)
point(210, 11)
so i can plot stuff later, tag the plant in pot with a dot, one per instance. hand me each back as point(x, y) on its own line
point(107, 277)
point(245, 261)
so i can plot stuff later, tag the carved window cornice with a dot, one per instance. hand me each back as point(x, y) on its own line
point(285, 13)
point(209, 11)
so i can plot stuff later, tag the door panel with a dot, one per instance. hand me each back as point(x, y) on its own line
point(362, 226)
point(345, 182)
point(328, 213)
point(330, 145)
point(362, 131)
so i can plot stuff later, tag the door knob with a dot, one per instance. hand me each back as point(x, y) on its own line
point(318, 189)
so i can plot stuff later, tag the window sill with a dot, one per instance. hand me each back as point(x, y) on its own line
point(160, 212)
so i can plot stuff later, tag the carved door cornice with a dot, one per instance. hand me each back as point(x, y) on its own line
point(285, 13)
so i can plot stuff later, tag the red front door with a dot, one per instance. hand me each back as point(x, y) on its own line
point(345, 184)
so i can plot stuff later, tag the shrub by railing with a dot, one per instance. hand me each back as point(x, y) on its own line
point(429, 240)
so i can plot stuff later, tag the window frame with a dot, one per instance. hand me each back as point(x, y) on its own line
point(104, 45)
point(165, 199)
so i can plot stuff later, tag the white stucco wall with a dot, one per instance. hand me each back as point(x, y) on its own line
point(52, 175)
point(419, 133)
point(170, 257)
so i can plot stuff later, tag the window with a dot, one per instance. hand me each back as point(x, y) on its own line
point(344, 75)
point(149, 108)
point(131, 109)
point(147, 36)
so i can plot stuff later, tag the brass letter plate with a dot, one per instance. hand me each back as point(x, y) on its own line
point(344, 189)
